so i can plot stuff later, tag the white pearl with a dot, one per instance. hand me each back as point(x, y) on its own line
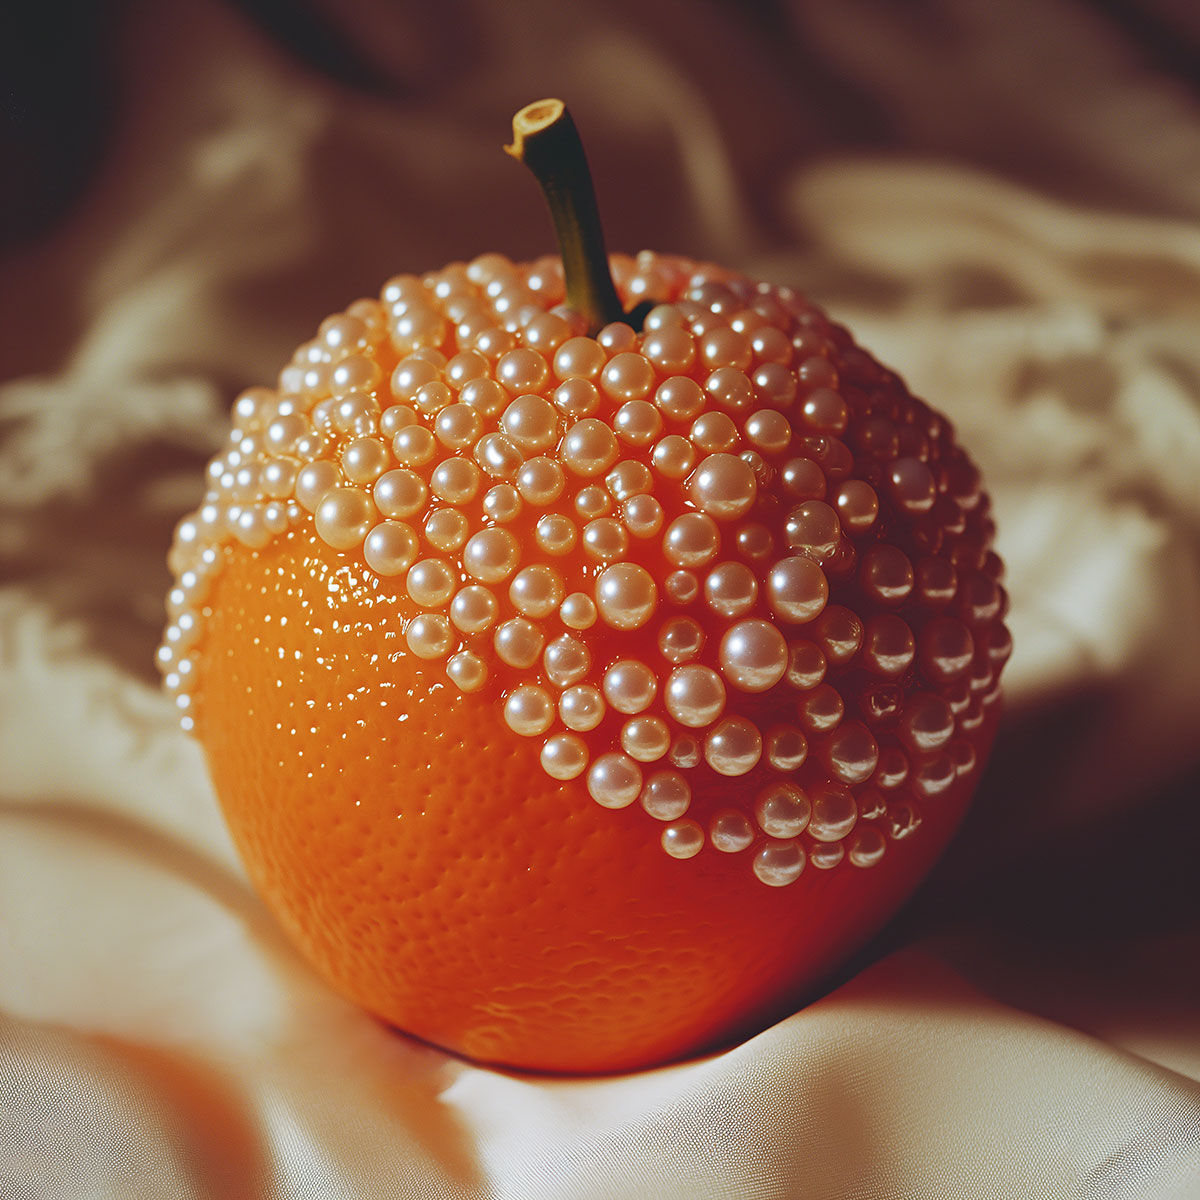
point(614, 780)
point(646, 739)
point(666, 796)
point(474, 609)
point(491, 555)
point(467, 671)
point(733, 746)
point(567, 660)
point(683, 839)
point(779, 863)
point(528, 710)
point(518, 642)
point(581, 708)
point(563, 756)
point(730, 831)
point(629, 686)
point(695, 695)
point(753, 655)
point(626, 595)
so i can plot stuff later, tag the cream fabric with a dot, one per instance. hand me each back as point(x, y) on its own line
point(1023, 244)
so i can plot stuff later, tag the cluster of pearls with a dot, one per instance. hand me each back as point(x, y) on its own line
point(642, 543)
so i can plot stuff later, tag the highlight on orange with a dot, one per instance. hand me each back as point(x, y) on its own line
point(589, 654)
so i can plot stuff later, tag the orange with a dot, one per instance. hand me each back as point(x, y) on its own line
point(580, 699)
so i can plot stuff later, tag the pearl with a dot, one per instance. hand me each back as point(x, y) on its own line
point(753, 655)
point(824, 410)
point(396, 418)
point(730, 589)
point(521, 370)
point(390, 547)
point(579, 357)
point(433, 397)
point(626, 595)
point(682, 587)
point(779, 864)
point(642, 515)
point(428, 636)
point(628, 479)
point(768, 430)
point(691, 540)
point(409, 375)
point(840, 633)
point(927, 724)
point(447, 529)
point(695, 695)
point(581, 708)
point(314, 482)
point(834, 812)
point(666, 795)
point(680, 640)
point(517, 642)
point(400, 493)
point(802, 479)
point(945, 648)
point(474, 609)
point(605, 539)
point(797, 589)
point(555, 534)
point(733, 746)
point(912, 485)
point(813, 528)
point(685, 752)
point(806, 665)
point(498, 456)
point(782, 810)
point(679, 398)
point(646, 739)
point(430, 582)
point(724, 486)
point(614, 780)
point(827, 855)
point(730, 388)
point(502, 503)
point(673, 456)
point(563, 756)
point(540, 481)
point(857, 506)
point(576, 398)
point(670, 348)
point(885, 574)
point(852, 753)
point(786, 748)
point(344, 517)
point(627, 376)
point(888, 645)
point(456, 480)
point(638, 423)
point(683, 839)
point(592, 501)
point(713, 432)
point(531, 423)
point(528, 710)
point(414, 445)
point(730, 831)
point(629, 686)
point(457, 426)
point(578, 611)
point(485, 396)
point(754, 541)
point(589, 447)
point(774, 385)
point(536, 591)
point(491, 555)
point(821, 709)
point(466, 671)
point(867, 847)
point(567, 660)
point(464, 366)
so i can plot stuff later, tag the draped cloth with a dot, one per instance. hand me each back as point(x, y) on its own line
point(1001, 201)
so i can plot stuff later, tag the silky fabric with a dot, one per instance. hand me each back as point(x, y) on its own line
point(1002, 201)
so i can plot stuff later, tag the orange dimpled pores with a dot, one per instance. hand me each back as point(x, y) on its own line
point(586, 665)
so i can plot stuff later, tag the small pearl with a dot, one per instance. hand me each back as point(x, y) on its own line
point(682, 587)
point(797, 589)
point(679, 398)
point(536, 591)
point(457, 426)
point(626, 595)
point(666, 796)
point(314, 482)
point(400, 493)
point(467, 671)
point(502, 503)
point(753, 655)
point(782, 810)
point(691, 540)
point(733, 746)
point(344, 517)
point(414, 446)
point(528, 710)
point(730, 831)
point(614, 780)
point(629, 686)
point(683, 839)
point(866, 847)
point(646, 739)
point(638, 423)
point(680, 640)
point(642, 515)
point(834, 812)
point(567, 660)
point(390, 548)
point(498, 456)
point(627, 376)
point(605, 538)
point(456, 480)
point(491, 555)
point(531, 423)
point(787, 748)
point(474, 609)
point(579, 357)
point(695, 695)
point(713, 432)
point(447, 529)
point(779, 864)
point(589, 447)
point(563, 756)
point(673, 456)
point(555, 534)
point(581, 708)
point(540, 481)
point(428, 636)
point(629, 478)
point(730, 589)
point(518, 642)
point(578, 611)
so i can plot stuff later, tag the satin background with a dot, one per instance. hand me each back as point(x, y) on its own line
point(1003, 201)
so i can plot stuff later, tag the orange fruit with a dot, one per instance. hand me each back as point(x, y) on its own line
point(580, 700)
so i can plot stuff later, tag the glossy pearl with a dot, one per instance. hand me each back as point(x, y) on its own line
point(753, 655)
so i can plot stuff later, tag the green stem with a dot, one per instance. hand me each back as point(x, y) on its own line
point(546, 141)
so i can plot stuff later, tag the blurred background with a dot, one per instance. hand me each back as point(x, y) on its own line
point(1002, 200)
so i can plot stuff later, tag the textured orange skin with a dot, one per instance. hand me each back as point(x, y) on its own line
point(427, 866)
